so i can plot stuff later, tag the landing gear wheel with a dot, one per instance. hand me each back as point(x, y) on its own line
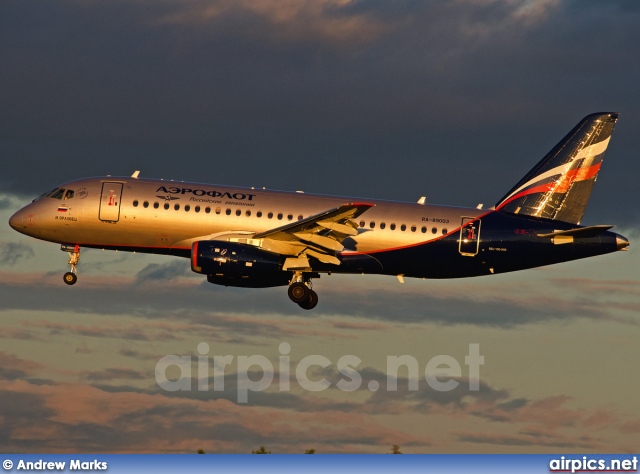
point(310, 302)
point(70, 278)
point(298, 292)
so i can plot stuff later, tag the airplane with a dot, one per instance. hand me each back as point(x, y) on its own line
point(256, 238)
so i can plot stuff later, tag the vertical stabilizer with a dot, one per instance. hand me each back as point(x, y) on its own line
point(560, 185)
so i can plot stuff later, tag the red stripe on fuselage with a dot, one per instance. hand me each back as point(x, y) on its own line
point(424, 242)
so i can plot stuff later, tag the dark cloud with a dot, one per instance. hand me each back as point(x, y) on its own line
point(457, 98)
point(166, 271)
point(111, 417)
point(21, 411)
point(137, 354)
point(114, 373)
point(13, 367)
point(5, 203)
point(217, 310)
point(558, 442)
point(120, 421)
point(485, 402)
point(12, 252)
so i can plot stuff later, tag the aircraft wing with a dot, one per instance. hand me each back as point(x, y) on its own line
point(321, 234)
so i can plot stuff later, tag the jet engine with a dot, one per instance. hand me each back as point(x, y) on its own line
point(236, 264)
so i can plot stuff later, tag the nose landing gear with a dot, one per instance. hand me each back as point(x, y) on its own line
point(70, 278)
point(300, 291)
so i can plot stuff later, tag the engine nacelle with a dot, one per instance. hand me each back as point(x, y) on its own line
point(235, 264)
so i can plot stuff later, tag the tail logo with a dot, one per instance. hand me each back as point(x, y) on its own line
point(559, 186)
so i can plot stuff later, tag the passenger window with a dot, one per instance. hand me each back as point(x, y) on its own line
point(413, 228)
point(135, 203)
point(197, 209)
point(372, 224)
point(280, 216)
point(290, 217)
point(403, 227)
point(145, 204)
point(228, 212)
point(177, 207)
point(270, 215)
point(259, 214)
point(392, 227)
point(362, 223)
point(166, 206)
point(444, 231)
point(208, 210)
point(187, 208)
point(424, 230)
point(434, 230)
point(382, 225)
point(238, 212)
point(248, 213)
point(156, 205)
point(300, 217)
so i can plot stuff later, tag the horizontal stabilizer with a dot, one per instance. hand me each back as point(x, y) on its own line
point(581, 232)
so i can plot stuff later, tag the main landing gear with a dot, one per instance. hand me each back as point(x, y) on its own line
point(70, 278)
point(300, 291)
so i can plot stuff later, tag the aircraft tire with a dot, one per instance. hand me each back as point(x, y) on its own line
point(298, 292)
point(310, 302)
point(70, 278)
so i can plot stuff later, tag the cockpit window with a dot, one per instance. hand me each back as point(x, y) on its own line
point(69, 194)
point(56, 193)
point(43, 195)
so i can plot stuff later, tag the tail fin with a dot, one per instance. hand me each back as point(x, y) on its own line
point(559, 186)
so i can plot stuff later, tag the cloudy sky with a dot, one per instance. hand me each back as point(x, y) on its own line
point(453, 100)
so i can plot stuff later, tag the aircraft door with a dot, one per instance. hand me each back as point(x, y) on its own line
point(469, 236)
point(110, 202)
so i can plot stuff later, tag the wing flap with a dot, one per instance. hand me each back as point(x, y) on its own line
point(321, 234)
point(339, 215)
point(342, 228)
point(321, 241)
point(323, 257)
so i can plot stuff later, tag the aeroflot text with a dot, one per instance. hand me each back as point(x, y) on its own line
point(74, 465)
point(202, 192)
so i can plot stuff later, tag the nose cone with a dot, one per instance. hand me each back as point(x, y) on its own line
point(16, 221)
point(622, 243)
